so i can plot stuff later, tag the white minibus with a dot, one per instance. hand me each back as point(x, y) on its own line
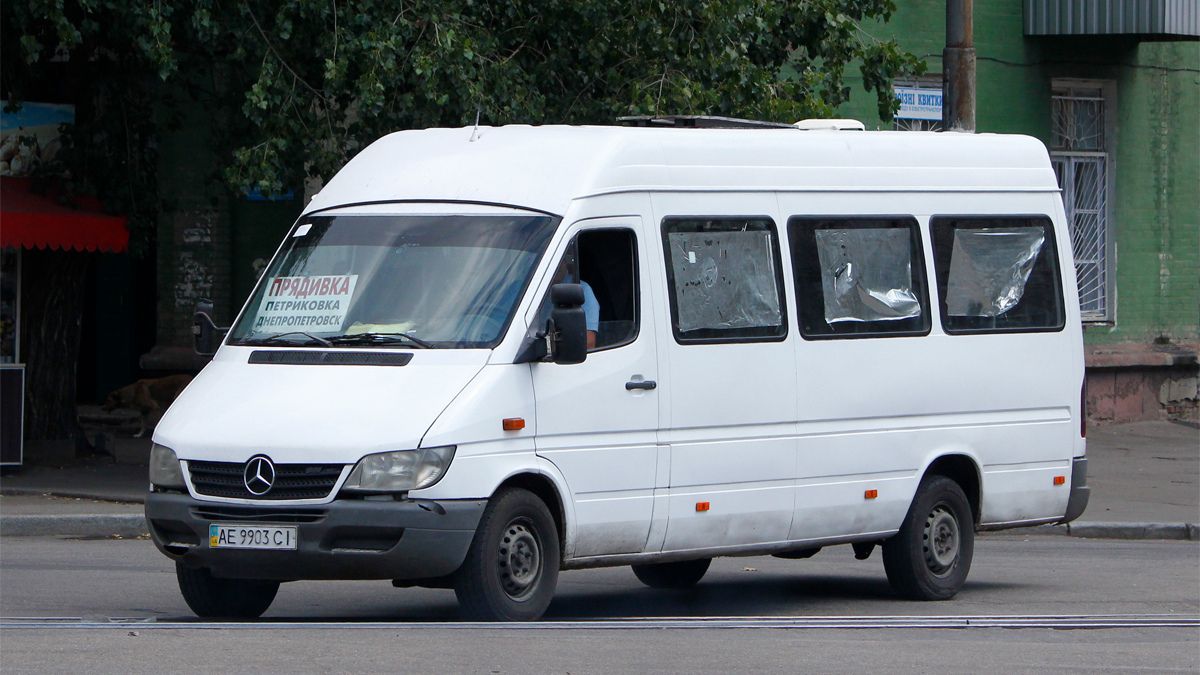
point(485, 355)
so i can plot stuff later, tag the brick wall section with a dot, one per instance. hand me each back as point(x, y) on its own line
point(195, 265)
point(1119, 395)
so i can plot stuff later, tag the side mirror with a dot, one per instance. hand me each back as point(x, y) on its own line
point(568, 327)
point(205, 333)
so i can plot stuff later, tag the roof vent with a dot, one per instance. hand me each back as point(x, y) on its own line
point(830, 125)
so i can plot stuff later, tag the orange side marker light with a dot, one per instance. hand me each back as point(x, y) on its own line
point(702, 506)
point(870, 494)
point(1060, 480)
point(513, 423)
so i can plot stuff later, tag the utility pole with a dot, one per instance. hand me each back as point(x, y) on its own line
point(958, 68)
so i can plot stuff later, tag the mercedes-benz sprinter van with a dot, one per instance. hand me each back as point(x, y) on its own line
point(482, 356)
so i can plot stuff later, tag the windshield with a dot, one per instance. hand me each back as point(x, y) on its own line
point(411, 281)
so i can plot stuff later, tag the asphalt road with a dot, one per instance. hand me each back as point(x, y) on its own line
point(112, 606)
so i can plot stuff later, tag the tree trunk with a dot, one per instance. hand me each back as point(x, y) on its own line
point(52, 294)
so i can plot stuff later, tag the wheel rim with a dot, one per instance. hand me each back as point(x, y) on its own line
point(941, 540)
point(519, 559)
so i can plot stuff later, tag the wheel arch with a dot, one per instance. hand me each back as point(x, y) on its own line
point(544, 487)
point(964, 470)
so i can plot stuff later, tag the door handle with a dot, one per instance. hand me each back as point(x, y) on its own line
point(640, 384)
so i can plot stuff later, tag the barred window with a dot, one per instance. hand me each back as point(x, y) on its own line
point(1079, 151)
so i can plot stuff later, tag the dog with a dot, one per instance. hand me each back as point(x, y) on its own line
point(149, 398)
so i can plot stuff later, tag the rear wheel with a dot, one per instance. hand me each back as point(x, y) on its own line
point(928, 559)
point(511, 569)
point(683, 574)
point(212, 597)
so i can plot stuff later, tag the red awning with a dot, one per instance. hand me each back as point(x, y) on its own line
point(29, 220)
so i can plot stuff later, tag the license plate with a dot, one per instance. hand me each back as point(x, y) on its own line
point(280, 537)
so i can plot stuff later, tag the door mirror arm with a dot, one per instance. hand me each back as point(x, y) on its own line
point(537, 347)
point(547, 337)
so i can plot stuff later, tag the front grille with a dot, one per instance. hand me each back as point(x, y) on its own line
point(264, 514)
point(292, 481)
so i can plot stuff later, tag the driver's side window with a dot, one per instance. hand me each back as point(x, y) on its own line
point(604, 262)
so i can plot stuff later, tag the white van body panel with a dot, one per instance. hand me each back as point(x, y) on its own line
point(498, 392)
point(312, 414)
point(486, 456)
point(547, 168)
point(988, 397)
point(482, 468)
point(782, 439)
point(728, 402)
point(602, 436)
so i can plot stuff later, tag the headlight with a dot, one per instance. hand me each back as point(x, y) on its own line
point(400, 471)
point(164, 468)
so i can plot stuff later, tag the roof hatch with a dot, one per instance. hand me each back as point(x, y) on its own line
point(818, 124)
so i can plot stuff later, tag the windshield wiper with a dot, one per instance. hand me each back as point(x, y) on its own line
point(378, 338)
point(278, 339)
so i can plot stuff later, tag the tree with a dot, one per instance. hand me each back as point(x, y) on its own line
point(315, 80)
point(294, 89)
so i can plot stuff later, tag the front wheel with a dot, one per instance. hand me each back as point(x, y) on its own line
point(511, 569)
point(213, 597)
point(928, 559)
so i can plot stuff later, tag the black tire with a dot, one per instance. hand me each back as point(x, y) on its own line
point(511, 569)
point(682, 574)
point(212, 597)
point(928, 559)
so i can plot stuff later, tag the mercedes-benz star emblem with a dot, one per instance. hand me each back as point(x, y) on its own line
point(259, 475)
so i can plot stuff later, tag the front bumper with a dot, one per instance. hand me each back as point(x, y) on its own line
point(1080, 492)
point(345, 539)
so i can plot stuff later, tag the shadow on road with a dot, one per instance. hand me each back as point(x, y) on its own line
point(769, 596)
point(748, 597)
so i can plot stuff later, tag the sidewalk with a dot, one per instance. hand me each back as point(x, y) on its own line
point(1145, 480)
point(1144, 472)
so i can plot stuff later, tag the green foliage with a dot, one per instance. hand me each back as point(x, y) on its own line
point(298, 87)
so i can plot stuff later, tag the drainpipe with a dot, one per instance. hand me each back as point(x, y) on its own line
point(958, 68)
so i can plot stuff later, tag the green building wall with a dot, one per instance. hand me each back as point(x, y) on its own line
point(1158, 195)
point(1155, 214)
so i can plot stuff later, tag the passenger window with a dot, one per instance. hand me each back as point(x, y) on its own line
point(997, 274)
point(859, 277)
point(724, 279)
point(605, 263)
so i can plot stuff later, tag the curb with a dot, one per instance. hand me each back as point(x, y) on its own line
point(96, 496)
point(1103, 530)
point(86, 525)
